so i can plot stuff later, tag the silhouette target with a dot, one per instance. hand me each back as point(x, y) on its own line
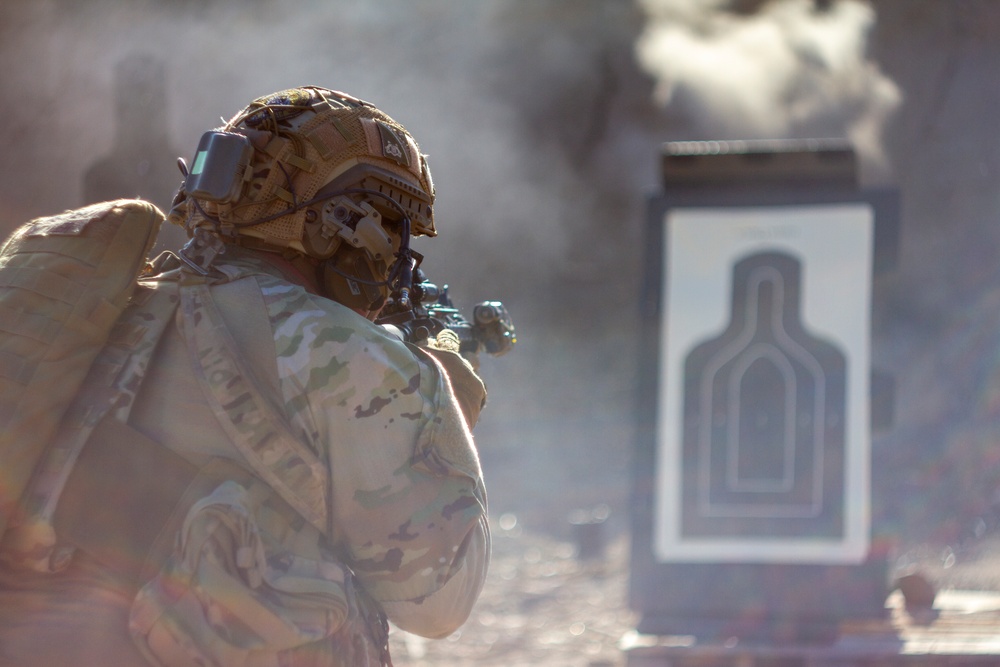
point(763, 450)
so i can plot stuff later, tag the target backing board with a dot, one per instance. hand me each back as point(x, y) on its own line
point(762, 437)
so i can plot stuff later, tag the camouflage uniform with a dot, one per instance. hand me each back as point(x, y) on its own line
point(369, 438)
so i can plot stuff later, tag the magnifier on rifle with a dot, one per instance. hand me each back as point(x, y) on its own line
point(431, 310)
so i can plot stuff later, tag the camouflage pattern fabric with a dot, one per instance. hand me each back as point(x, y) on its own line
point(242, 590)
point(365, 440)
point(256, 428)
point(351, 382)
point(344, 413)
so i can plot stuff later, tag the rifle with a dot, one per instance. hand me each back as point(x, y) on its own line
point(427, 310)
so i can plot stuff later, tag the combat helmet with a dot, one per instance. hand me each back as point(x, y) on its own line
point(314, 173)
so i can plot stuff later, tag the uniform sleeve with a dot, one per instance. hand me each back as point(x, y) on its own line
point(446, 449)
point(408, 504)
point(444, 611)
point(428, 562)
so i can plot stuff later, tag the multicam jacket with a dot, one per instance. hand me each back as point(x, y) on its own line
point(388, 497)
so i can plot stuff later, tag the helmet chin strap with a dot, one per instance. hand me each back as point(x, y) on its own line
point(400, 275)
point(404, 266)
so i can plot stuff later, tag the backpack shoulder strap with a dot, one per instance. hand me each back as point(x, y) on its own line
point(257, 428)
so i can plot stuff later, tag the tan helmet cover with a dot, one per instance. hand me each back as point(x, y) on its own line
point(303, 138)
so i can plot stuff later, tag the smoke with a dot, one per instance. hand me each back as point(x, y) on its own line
point(522, 106)
point(433, 65)
point(787, 69)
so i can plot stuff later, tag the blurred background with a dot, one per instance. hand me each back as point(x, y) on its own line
point(543, 120)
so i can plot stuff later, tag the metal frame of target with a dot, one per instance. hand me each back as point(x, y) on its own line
point(753, 459)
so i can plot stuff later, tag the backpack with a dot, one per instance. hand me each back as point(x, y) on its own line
point(64, 281)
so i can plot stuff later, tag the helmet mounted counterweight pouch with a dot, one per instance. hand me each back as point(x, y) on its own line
point(220, 167)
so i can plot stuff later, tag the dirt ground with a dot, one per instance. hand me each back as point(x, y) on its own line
point(546, 602)
point(973, 565)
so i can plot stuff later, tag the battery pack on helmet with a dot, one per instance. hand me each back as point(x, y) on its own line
point(220, 164)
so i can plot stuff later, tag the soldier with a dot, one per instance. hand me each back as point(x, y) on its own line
point(278, 475)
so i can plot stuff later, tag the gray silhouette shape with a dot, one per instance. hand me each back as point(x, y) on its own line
point(764, 417)
point(141, 163)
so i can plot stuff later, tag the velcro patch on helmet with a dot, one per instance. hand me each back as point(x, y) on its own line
point(330, 139)
point(393, 146)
